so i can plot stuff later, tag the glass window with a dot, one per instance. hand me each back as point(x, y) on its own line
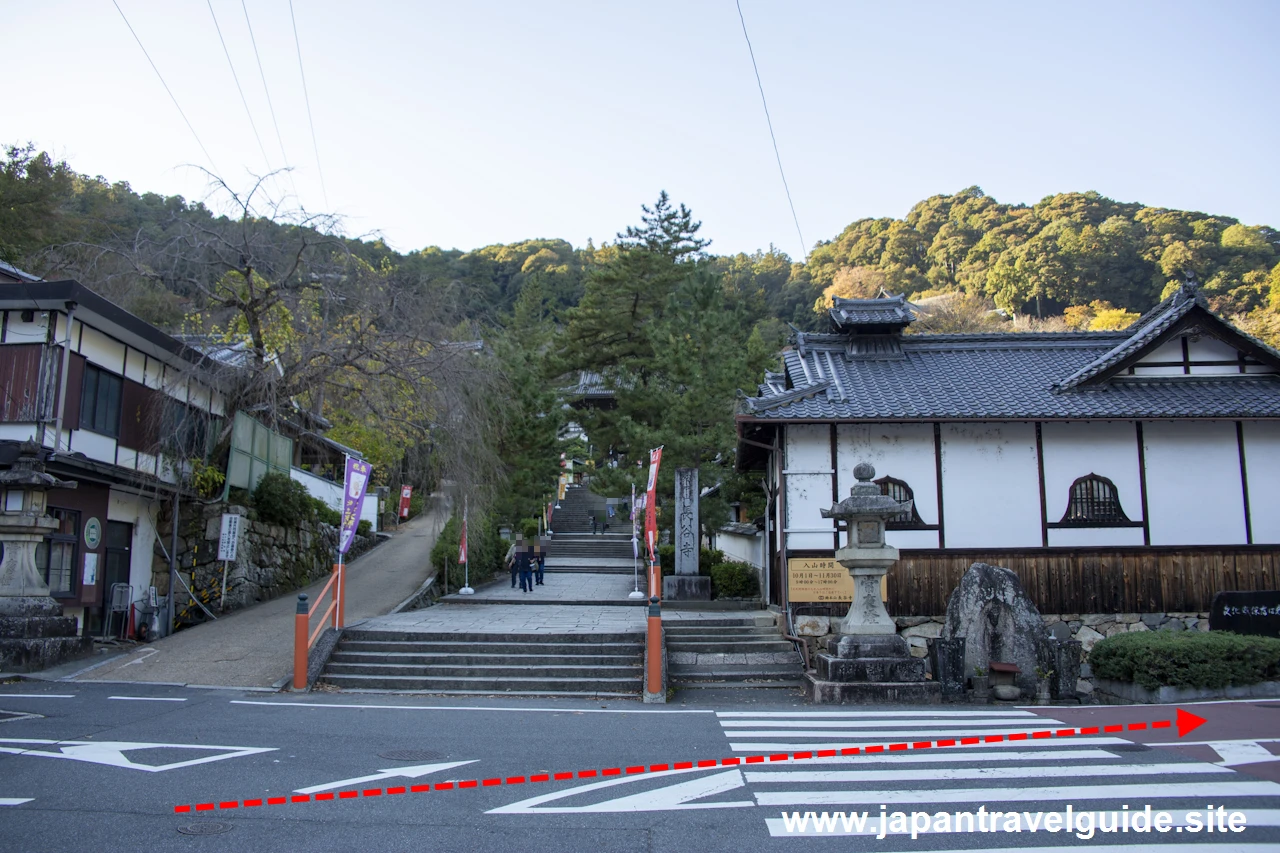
point(100, 401)
point(56, 555)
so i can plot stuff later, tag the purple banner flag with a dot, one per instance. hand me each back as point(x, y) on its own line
point(354, 486)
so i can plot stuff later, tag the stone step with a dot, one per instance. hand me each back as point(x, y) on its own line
point(749, 673)
point(534, 686)
point(753, 620)
point(496, 641)
point(513, 668)
point(513, 646)
point(342, 655)
point(746, 646)
point(719, 632)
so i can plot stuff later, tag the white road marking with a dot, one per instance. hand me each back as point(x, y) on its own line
point(880, 715)
point(357, 707)
point(14, 801)
point(1072, 793)
point(676, 797)
point(37, 696)
point(146, 698)
point(142, 655)
point(878, 734)
point(1020, 723)
point(112, 753)
point(1238, 753)
point(943, 773)
point(957, 756)
point(18, 716)
point(409, 772)
point(782, 746)
point(1255, 817)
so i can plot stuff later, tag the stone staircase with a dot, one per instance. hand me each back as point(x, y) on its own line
point(595, 665)
point(574, 548)
point(745, 651)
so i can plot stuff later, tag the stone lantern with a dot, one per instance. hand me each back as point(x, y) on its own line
point(33, 632)
point(865, 554)
point(870, 663)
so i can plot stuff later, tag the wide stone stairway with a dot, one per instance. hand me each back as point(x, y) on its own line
point(570, 664)
point(574, 548)
point(744, 650)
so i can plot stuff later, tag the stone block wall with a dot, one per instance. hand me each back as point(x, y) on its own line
point(270, 561)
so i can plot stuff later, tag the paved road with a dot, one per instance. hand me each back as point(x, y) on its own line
point(126, 755)
point(254, 647)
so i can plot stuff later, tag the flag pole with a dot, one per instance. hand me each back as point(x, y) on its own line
point(466, 555)
point(635, 550)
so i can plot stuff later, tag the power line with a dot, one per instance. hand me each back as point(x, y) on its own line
point(774, 139)
point(190, 127)
point(263, 75)
point(239, 89)
point(314, 145)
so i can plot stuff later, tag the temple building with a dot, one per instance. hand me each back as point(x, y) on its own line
point(1122, 471)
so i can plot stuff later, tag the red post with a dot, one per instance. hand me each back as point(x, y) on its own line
point(340, 590)
point(653, 647)
point(300, 644)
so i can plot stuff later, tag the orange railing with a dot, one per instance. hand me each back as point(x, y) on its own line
point(304, 637)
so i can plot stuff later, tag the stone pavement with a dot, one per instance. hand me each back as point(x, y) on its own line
point(253, 647)
point(513, 619)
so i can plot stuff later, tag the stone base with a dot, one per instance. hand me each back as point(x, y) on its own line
point(29, 605)
point(686, 588)
point(884, 670)
point(35, 654)
point(821, 692)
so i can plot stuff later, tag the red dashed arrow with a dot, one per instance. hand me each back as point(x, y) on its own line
point(1185, 722)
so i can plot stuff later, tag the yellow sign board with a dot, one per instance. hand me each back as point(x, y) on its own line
point(820, 579)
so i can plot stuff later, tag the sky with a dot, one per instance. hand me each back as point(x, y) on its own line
point(462, 125)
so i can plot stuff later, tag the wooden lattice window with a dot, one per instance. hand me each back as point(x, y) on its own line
point(1094, 502)
point(900, 491)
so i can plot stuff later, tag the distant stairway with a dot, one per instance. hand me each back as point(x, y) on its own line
point(730, 652)
point(574, 548)
point(597, 665)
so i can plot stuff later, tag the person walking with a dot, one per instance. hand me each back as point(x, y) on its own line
point(525, 559)
point(510, 560)
point(540, 563)
point(594, 523)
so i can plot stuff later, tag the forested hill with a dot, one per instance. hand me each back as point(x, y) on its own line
point(1070, 249)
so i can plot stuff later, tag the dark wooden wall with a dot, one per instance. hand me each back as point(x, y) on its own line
point(1090, 580)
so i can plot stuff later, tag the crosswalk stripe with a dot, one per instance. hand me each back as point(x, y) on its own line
point(1073, 793)
point(1012, 714)
point(1255, 818)
point(890, 734)
point(791, 746)
point(965, 755)
point(945, 773)
point(900, 725)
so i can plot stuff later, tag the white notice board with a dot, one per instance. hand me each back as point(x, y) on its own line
point(229, 537)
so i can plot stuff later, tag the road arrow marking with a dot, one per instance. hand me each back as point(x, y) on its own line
point(13, 801)
point(408, 772)
point(671, 798)
point(112, 753)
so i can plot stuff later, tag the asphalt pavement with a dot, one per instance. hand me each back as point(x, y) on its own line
point(107, 766)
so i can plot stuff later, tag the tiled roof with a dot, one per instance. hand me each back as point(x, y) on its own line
point(1009, 376)
point(889, 311)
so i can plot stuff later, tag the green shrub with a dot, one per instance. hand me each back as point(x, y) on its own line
point(528, 527)
point(280, 499)
point(486, 546)
point(1155, 659)
point(326, 513)
point(734, 580)
point(707, 558)
point(416, 501)
point(364, 528)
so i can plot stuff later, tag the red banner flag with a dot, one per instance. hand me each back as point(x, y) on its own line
point(462, 543)
point(406, 492)
point(651, 504)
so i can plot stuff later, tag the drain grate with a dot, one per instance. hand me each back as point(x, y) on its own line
point(205, 827)
point(410, 755)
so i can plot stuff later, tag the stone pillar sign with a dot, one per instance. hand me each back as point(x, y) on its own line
point(33, 632)
point(687, 584)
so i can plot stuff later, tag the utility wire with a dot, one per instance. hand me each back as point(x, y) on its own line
point(774, 139)
point(314, 145)
point(239, 88)
point(270, 105)
point(190, 127)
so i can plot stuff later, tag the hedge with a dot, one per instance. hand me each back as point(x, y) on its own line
point(1156, 659)
point(734, 580)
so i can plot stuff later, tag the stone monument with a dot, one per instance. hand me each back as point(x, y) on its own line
point(870, 663)
point(687, 584)
point(34, 634)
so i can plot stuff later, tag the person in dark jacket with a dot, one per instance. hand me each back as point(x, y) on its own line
point(539, 564)
point(525, 560)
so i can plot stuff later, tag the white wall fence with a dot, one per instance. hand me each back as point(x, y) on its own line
point(331, 493)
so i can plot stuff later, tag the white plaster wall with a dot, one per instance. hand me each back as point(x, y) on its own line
point(743, 549)
point(93, 445)
point(145, 462)
point(1210, 349)
point(101, 350)
point(331, 494)
point(1085, 537)
point(1106, 448)
point(135, 363)
point(807, 476)
point(1142, 370)
point(902, 451)
point(990, 485)
point(1262, 466)
point(1194, 495)
point(17, 432)
point(19, 332)
point(1168, 351)
point(915, 539)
